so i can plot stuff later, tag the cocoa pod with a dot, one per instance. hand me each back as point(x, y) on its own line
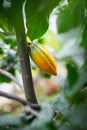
point(43, 58)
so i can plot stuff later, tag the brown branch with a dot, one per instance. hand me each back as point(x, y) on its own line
point(24, 60)
point(11, 77)
point(29, 108)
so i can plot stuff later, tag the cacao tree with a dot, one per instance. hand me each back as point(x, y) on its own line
point(29, 18)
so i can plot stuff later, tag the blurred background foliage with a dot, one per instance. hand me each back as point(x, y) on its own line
point(61, 26)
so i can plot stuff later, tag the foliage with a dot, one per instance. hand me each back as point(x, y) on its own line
point(68, 110)
point(8, 56)
point(74, 8)
point(37, 16)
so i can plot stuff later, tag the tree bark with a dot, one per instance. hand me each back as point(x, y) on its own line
point(25, 61)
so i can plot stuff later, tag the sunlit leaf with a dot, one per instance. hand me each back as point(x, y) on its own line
point(37, 16)
point(71, 16)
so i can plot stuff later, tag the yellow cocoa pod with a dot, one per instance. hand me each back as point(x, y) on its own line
point(43, 58)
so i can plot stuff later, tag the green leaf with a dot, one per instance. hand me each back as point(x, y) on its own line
point(5, 26)
point(12, 12)
point(44, 120)
point(72, 89)
point(9, 120)
point(4, 22)
point(61, 104)
point(72, 74)
point(15, 121)
point(85, 3)
point(67, 127)
point(84, 36)
point(37, 15)
point(77, 115)
point(4, 78)
point(8, 58)
point(75, 81)
point(72, 52)
point(71, 16)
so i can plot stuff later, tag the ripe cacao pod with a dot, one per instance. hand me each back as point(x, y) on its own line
point(43, 58)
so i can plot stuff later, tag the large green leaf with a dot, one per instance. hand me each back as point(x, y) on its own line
point(12, 12)
point(71, 16)
point(37, 16)
point(4, 23)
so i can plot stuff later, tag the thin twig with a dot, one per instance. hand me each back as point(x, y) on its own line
point(22, 101)
point(9, 96)
point(11, 77)
point(28, 107)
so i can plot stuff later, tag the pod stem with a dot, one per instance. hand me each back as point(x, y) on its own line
point(25, 63)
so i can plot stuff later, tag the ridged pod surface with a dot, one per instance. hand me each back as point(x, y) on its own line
point(43, 58)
